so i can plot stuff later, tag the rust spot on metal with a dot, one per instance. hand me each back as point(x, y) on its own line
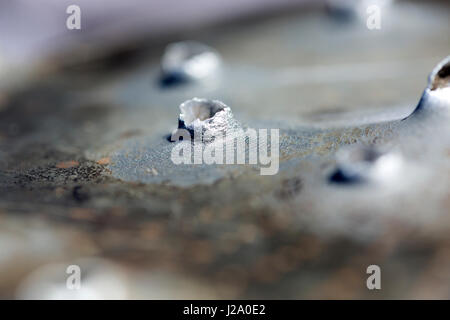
point(103, 161)
point(67, 164)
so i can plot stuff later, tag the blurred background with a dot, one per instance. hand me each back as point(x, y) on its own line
point(76, 104)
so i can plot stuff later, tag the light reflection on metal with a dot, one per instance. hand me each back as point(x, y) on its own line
point(362, 164)
point(436, 97)
point(205, 115)
point(188, 60)
point(358, 164)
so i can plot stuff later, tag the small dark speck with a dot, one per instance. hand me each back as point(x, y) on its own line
point(171, 80)
point(342, 178)
point(79, 194)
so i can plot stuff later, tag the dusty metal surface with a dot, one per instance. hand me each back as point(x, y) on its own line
point(85, 169)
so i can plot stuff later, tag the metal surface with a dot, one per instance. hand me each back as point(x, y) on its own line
point(85, 169)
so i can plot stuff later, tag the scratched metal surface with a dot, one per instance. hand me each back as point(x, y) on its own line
point(78, 147)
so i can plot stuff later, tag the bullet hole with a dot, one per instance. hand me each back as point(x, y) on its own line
point(202, 114)
point(187, 61)
point(198, 110)
point(354, 165)
point(442, 78)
